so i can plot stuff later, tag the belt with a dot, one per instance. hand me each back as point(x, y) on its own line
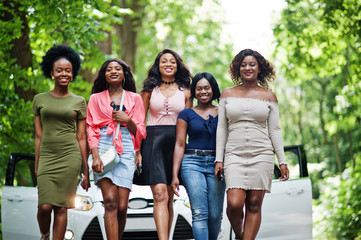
point(200, 152)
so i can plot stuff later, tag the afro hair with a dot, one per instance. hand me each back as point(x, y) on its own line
point(57, 52)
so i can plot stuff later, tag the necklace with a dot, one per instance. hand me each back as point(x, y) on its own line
point(115, 89)
point(167, 83)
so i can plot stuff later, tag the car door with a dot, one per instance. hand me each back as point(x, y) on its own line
point(19, 200)
point(287, 210)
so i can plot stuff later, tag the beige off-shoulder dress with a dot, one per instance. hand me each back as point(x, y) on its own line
point(248, 135)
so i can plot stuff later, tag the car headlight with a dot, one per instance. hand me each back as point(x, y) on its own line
point(69, 235)
point(138, 203)
point(83, 203)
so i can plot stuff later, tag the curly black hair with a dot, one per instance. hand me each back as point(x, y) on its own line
point(57, 52)
point(212, 81)
point(182, 76)
point(100, 83)
point(267, 73)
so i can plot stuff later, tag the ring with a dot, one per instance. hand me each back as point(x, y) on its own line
point(284, 176)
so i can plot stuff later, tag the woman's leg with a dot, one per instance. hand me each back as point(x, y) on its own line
point(161, 210)
point(170, 208)
point(123, 200)
point(110, 198)
point(235, 202)
point(60, 221)
point(196, 185)
point(215, 205)
point(44, 218)
point(252, 220)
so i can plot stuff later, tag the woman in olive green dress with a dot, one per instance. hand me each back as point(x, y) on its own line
point(60, 141)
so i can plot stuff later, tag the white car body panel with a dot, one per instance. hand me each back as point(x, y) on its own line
point(18, 213)
point(286, 213)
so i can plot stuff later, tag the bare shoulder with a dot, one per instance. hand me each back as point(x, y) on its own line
point(228, 92)
point(270, 96)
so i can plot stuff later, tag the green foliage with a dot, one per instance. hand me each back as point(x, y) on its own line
point(51, 22)
point(340, 212)
point(321, 65)
point(85, 24)
point(191, 28)
point(319, 42)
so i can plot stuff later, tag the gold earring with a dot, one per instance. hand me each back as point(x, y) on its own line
point(52, 77)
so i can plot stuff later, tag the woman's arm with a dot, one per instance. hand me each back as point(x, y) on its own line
point(93, 132)
point(180, 145)
point(38, 136)
point(275, 134)
point(188, 100)
point(81, 137)
point(146, 99)
point(122, 117)
point(222, 128)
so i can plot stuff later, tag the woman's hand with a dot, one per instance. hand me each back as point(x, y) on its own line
point(85, 182)
point(285, 174)
point(97, 165)
point(218, 170)
point(121, 117)
point(175, 185)
point(138, 161)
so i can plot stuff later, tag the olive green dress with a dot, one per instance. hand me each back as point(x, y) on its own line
point(60, 159)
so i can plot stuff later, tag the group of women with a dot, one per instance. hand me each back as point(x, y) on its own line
point(229, 148)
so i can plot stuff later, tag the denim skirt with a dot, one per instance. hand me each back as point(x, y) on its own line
point(122, 174)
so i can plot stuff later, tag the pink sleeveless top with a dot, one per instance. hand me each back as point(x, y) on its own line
point(164, 111)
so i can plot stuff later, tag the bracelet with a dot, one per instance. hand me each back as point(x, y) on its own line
point(283, 164)
point(218, 161)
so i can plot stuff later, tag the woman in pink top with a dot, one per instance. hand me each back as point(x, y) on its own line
point(165, 94)
point(115, 81)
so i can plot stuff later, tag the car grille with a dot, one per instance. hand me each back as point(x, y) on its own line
point(150, 235)
point(93, 232)
point(182, 231)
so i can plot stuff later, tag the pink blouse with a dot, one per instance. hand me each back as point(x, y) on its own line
point(99, 115)
point(164, 111)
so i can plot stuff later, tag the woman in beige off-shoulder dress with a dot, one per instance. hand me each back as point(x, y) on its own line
point(248, 136)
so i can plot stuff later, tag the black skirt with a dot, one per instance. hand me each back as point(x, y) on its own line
point(157, 155)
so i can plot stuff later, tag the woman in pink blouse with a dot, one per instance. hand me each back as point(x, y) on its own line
point(115, 81)
point(165, 94)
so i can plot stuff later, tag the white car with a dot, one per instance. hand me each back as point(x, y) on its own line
point(287, 211)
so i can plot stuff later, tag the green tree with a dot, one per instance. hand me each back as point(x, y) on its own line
point(97, 30)
point(319, 42)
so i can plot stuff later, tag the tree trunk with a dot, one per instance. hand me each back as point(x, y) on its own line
point(21, 50)
point(128, 30)
point(350, 150)
point(337, 152)
point(322, 120)
point(106, 48)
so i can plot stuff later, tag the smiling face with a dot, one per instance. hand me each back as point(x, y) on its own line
point(167, 65)
point(203, 91)
point(249, 69)
point(62, 72)
point(114, 74)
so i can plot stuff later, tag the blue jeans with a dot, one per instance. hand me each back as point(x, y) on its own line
point(205, 193)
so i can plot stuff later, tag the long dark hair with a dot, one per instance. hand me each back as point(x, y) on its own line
point(212, 81)
point(267, 73)
point(182, 76)
point(100, 83)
